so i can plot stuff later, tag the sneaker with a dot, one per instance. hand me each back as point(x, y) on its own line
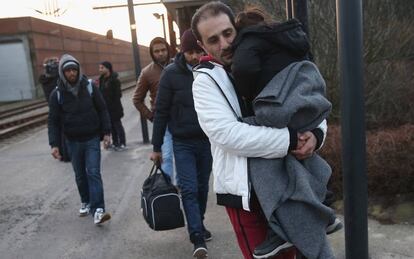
point(334, 226)
point(200, 250)
point(272, 246)
point(121, 148)
point(84, 210)
point(207, 235)
point(111, 147)
point(101, 216)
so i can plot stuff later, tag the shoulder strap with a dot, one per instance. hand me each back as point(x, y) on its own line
point(225, 97)
point(58, 96)
point(90, 87)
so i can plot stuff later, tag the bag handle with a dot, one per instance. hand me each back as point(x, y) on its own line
point(154, 170)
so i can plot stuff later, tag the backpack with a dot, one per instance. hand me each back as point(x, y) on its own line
point(89, 87)
point(160, 202)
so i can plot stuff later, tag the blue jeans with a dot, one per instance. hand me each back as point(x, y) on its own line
point(193, 162)
point(167, 155)
point(86, 162)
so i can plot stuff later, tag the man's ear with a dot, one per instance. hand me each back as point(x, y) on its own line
point(201, 45)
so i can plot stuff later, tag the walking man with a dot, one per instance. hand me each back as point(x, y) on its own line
point(175, 108)
point(110, 87)
point(148, 82)
point(80, 107)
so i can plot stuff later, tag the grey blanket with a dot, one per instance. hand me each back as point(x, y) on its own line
point(289, 191)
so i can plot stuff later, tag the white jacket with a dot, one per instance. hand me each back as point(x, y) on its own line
point(232, 142)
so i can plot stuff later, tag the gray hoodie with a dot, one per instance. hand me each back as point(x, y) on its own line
point(74, 89)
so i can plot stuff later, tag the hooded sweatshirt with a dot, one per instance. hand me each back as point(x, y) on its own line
point(262, 51)
point(148, 81)
point(83, 115)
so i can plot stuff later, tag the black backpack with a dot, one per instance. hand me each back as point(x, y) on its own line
point(160, 202)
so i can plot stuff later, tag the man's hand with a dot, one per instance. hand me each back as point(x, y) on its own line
point(306, 145)
point(156, 157)
point(55, 153)
point(106, 141)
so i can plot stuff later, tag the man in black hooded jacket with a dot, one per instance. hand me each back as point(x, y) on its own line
point(81, 109)
point(193, 161)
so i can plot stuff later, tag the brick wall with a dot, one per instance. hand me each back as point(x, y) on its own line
point(50, 39)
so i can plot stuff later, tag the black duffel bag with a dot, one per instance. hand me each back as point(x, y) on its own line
point(160, 202)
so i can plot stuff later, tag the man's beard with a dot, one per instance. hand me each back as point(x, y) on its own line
point(162, 61)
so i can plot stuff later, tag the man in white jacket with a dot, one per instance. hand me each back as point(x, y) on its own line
point(219, 109)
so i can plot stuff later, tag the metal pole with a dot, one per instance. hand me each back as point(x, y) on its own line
point(301, 13)
point(171, 33)
point(350, 47)
point(163, 26)
point(123, 5)
point(289, 9)
point(135, 50)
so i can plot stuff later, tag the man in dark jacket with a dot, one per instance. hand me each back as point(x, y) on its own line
point(80, 107)
point(148, 82)
point(50, 76)
point(193, 161)
point(110, 87)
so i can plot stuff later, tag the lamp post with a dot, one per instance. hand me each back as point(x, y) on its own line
point(135, 50)
point(158, 16)
point(349, 19)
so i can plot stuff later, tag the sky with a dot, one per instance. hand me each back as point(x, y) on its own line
point(79, 14)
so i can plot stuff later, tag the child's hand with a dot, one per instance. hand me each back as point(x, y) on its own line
point(306, 145)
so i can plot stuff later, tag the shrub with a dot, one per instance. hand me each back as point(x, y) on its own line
point(389, 160)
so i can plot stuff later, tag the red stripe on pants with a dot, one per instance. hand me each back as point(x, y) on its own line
point(250, 228)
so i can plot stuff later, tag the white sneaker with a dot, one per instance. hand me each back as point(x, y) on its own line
point(121, 148)
point(84, 209)
point(334, 226)
point(101, 216)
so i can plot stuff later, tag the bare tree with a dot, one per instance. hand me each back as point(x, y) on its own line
point(388, 55)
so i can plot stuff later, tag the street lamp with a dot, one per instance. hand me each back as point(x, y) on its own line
point(158, 16)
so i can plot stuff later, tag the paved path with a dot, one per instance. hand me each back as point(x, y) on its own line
point(39, 205)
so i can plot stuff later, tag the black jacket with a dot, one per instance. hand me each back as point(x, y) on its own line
point(261, 51)
point(83, 117)
point(48, 84)
point(175, 105)
point(81, 114)
point(111, 90)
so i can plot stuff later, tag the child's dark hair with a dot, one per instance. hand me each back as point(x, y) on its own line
point(252, 15)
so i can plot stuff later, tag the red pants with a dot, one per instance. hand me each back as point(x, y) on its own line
point(251, 228)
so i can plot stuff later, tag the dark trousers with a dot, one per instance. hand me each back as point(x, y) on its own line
point(193, 163)
point(118, 133)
